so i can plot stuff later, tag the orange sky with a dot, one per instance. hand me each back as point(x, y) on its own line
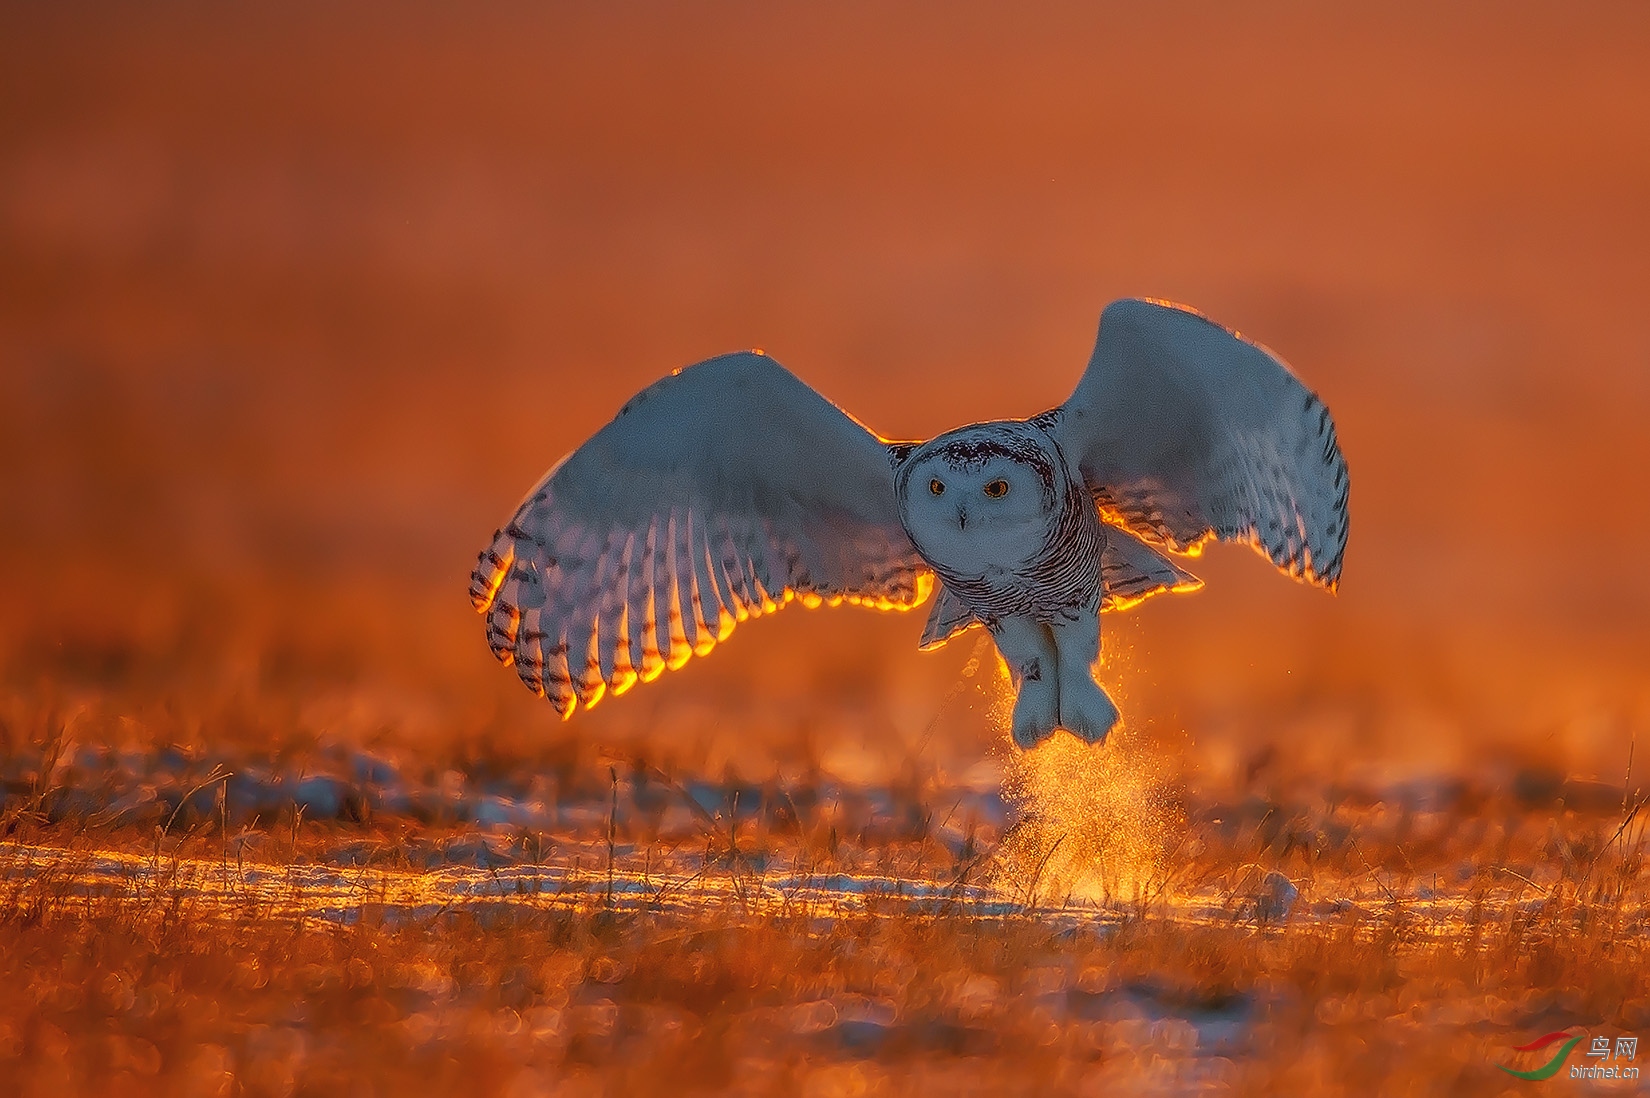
point(294, 306)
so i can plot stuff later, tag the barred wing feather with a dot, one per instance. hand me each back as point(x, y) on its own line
point(720, 493)
point(1184, 432)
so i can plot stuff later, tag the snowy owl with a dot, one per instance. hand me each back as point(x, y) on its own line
point(730, 488)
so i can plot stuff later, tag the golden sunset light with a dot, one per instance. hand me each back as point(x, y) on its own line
point(382, 453)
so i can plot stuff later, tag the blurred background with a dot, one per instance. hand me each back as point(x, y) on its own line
point(296, 302)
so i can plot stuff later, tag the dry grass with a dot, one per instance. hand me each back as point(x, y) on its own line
point(1120, 933)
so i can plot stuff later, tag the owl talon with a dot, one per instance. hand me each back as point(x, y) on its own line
point(1035, 713)
point(1085, 710)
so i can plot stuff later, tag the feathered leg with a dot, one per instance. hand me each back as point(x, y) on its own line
point(1084, 708)
point(1027, 647)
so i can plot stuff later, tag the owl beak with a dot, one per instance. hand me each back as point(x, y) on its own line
point(962, 518)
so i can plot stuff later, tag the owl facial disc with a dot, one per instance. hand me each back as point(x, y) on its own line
point(982, 498)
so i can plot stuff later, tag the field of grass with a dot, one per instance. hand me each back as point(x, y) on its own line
point(307, 920)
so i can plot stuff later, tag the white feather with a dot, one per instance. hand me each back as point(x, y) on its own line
point(720, 493)
point(1184, 431)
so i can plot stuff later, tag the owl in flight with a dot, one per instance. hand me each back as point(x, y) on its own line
point(730, 488)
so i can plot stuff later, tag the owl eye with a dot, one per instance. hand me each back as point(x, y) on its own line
point(936, 487)
point(997, 489)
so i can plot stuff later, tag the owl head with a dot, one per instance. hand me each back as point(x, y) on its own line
point(982, 497)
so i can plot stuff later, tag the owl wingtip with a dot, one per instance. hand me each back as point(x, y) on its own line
point(492, 566)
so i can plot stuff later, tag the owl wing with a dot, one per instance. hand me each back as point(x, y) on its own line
point(719, 493)
point(1184, 432)
point(1132, 571)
